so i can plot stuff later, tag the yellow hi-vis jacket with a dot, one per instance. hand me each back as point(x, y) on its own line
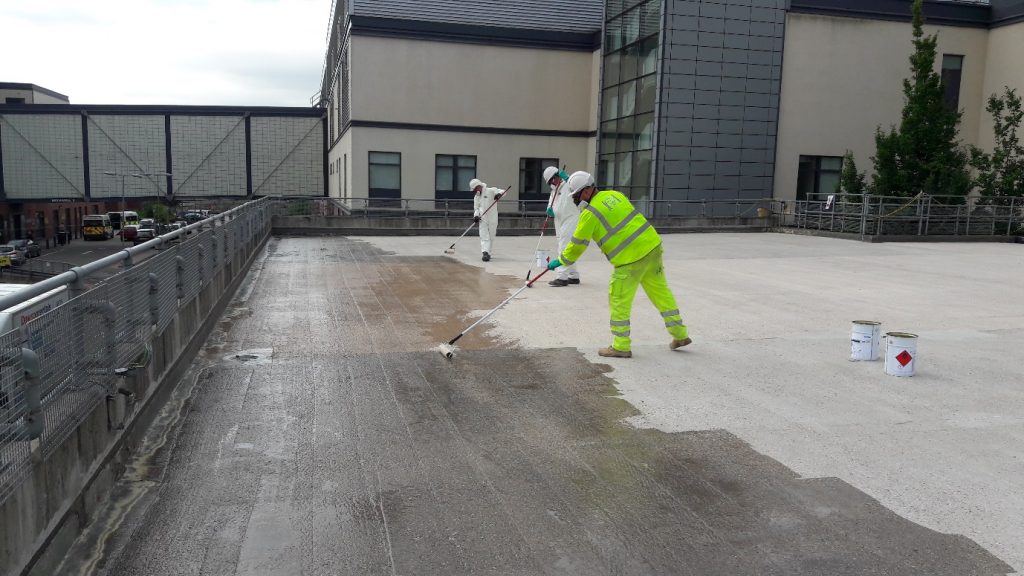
point(622, 233)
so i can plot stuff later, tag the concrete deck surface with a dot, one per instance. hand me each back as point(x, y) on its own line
point(319, 434)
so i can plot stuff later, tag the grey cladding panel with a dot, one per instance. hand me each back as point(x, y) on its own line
point(555, 15)
point(720, 81)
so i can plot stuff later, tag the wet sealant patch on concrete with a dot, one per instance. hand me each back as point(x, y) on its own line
point(357, 450)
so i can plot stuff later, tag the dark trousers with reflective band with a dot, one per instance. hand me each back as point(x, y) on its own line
point(649, 273)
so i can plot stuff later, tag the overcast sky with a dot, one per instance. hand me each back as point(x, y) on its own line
point(205, 52)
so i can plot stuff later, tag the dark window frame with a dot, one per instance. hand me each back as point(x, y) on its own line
point(952, 79)
point(383, 196)
point(612, 122)
point(816, 172)
point(536, 173)
point(454, 193)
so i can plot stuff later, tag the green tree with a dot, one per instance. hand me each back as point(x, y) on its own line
point(851, 182)
point(162, 214)
point(922, 155)
point(1000, 175)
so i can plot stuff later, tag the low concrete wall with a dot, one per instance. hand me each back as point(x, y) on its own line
point(507, 226)
point(47, 512)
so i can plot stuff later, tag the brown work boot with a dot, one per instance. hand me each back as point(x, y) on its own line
point(610, 352)
point(679, 343)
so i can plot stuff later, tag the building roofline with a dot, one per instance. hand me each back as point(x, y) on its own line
point(470, 34)
point(467, 129)
point(935, 12)
point(159, 110)
point(32, 87)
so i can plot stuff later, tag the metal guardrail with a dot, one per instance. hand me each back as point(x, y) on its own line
point(448, 208)
point(34, 269)
point(877, 216)
point(872, 216)
point(57, 367)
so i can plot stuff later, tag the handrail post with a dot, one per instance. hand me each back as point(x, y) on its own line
point(1009, 217)
point(967, 225)
point(927, 215)
point(32, 389)
point(921, 215)
point(179, 270)
point(154, 299)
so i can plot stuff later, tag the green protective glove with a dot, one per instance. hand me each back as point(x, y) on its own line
point(550, 212)
point(563, 175)
point(552, 264)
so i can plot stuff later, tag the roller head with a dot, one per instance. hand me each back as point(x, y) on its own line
point(446, 350)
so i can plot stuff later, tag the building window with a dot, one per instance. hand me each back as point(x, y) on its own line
point(818, 177)
point(629, 90)
point(15, 101)
point(531, 178)
point(952, 70)
point(452, 174)
point(385, 177)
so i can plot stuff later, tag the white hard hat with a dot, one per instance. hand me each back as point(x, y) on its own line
point(549, 173)
point(578, 181)
point(474, 183)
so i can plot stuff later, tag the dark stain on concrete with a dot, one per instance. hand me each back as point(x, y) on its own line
point(353, 451)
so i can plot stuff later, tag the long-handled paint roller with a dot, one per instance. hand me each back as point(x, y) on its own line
point(451, 249)
point(448, 349)
point(544, 226)
point(537, 249)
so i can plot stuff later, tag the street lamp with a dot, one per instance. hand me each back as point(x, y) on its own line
point(124, 175)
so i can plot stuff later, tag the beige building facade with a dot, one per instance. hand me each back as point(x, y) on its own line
point(418, 108)
point(843, 79)
point(688, 102)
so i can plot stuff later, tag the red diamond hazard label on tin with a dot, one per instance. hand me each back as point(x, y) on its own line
point(904, 358)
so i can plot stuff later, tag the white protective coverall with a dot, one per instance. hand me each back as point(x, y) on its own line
point(489, 221)
point(567, 215)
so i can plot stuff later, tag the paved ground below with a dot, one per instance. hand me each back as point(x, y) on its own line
point(318, 433)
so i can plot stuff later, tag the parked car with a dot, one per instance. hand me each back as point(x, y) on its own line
point(144, 235)
point(147, 223)
point(128, 232)
point(12, 253)
point(27, 247)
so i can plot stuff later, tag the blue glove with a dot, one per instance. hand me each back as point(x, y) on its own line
point(550, 212)
point(562, 174)
point(554, 264)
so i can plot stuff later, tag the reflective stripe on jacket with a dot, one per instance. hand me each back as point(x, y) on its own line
point(622, 232)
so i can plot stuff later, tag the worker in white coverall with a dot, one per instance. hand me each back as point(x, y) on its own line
point(483, 198)
point(566, 215)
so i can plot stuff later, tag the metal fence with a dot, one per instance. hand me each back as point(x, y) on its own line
point(34, 269)
point(432, 208)
point(66, 359)
point(875, 216)
point(867, 216)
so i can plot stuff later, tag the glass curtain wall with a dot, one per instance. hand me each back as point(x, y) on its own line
point(629, 83)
